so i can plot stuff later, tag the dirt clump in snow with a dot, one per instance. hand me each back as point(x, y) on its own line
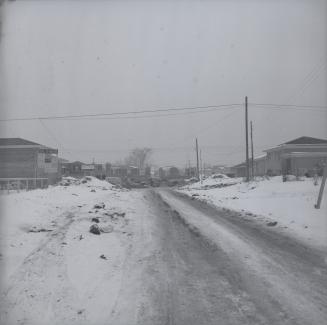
point(67, 181)
point(94, 229)
point(272, 223)
point(115, 215)
point(95, 219)
point(39, 229)
point(106, 229)
point(99, 206)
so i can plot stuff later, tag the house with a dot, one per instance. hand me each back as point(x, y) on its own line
point(162, 173)
point(238, 170)
point(190, 172)
point(301, 156)
point(221, 169)
point(99, 171)
point(133, 171)
point(174, 172)
point(88, 169)
point(20, 158)
point(259, 165)
point(72, 169)
point(122, 171)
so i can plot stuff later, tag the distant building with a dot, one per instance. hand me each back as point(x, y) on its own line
point(123, 171)
point(88, 169)
point(73, 169)
point(259, 165)
point(133, 171)
point(190, 172)
point(20, 158)
point(162, 173)
point(116, 171)
point(220, 169)
point(239, 170)
point(173, 172)
point(169, 172)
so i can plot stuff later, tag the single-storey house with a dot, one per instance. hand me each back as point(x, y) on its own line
point(96, 170)
point(239, 170)
point(72, 169)
point(20, 158)
point(259, 165)
point(301, 156)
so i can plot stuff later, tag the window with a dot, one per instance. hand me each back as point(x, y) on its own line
point(47, 158)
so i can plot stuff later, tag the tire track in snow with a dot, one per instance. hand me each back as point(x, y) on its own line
point(41, 283)
point(284, 287)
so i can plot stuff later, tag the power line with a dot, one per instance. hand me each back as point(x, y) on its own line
point(290, 106)
point(120, 114)
point(51, 134)
point(150, 116)
point(209, 127)
point(310, 78)
point(62, 148)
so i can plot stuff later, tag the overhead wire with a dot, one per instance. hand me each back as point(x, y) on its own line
point(309, 79)
point(122, 114)
point(50, 133)
point(289, 106)
point(195, 109)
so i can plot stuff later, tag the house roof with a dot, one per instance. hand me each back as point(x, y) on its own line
point(22, 143)
point(307, 140)
point(241, 165)
point(298, 142)
point(17, 142)
point(311, 154)
point(260, 157)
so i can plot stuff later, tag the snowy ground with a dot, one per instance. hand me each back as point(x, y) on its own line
point(165, 258)
point(53, 270)
point(291, 204)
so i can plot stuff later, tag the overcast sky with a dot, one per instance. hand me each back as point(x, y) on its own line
point(80, 57)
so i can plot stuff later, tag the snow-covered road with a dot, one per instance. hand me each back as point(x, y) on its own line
point(170, 260)
point(229, 270)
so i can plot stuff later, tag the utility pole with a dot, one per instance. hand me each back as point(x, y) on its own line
point(252, 156)
point(201, 167)
point(189, 168)
point(197, 158)
point(247, 140)
point(322, 186)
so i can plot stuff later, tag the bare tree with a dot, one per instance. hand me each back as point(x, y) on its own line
point(139, 157)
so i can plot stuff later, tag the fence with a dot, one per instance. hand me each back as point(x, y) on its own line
point(23, 183)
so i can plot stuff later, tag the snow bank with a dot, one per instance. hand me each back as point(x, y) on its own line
point(88, 181)
point(213, 181)
point(40, 211)
point(291, 204)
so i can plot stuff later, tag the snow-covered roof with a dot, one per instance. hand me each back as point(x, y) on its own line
point(307, 140)
point(306, 154)
point(299, 142)
point(16, 142)
point(260, 157)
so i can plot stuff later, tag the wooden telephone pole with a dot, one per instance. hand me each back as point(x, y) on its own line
point(197, 158)
point(322, 186)
point(247, 140)
point(252, 155)
point(201, 167)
